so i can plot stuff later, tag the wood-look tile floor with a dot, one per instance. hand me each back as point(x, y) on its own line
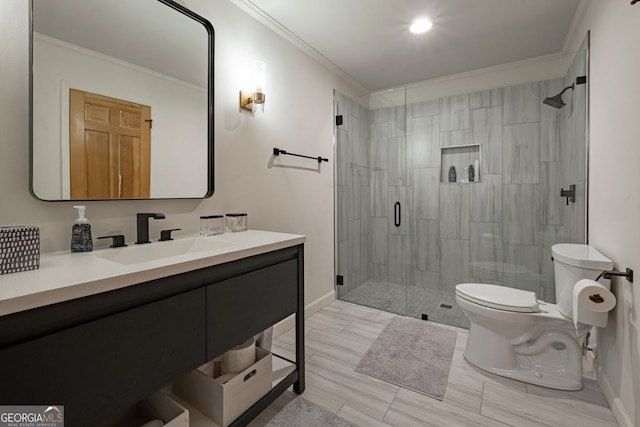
point(338, 336)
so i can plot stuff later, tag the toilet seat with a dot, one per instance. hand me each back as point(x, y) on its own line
point(499, 297)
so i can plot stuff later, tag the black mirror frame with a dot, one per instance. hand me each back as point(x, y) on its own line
point(210, 98)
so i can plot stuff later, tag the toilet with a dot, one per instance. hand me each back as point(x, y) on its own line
point(515, 335)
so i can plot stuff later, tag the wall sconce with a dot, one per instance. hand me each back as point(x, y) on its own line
point(253, 100)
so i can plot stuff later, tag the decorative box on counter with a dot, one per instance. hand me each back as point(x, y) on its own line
point(236, 222)
point(211, 225)
point(19, 248)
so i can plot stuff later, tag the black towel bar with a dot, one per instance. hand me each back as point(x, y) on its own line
point(277, 152)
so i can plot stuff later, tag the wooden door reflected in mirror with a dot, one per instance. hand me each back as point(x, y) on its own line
point(109, 147)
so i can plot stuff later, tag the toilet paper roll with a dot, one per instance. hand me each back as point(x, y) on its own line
point(591, 303)
point(239, 358)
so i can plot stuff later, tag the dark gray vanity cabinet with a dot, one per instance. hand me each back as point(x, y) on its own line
point(99, 354)
point(249, 304)
point(98, 367)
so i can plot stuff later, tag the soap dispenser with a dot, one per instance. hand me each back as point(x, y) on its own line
point(81, 233)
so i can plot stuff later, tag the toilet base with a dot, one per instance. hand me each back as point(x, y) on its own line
point(526, 373)
point(542, 348)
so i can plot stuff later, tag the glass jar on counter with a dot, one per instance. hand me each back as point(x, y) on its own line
point(211, 225)
point(236, 222)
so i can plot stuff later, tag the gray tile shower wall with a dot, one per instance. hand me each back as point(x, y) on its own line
point(497, 230)
point(521, 153)
point(486, 129)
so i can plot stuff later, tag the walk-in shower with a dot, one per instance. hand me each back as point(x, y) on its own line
point(405, 235)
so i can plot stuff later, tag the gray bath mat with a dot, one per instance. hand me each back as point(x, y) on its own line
point(302, 413)
point(412, 354)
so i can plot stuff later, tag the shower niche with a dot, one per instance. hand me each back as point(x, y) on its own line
point(461, 157)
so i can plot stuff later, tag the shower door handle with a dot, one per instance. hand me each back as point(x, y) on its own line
point(397, 212)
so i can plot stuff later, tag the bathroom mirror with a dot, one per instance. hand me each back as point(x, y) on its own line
point(121, 100)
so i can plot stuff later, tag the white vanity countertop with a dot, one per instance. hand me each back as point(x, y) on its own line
point(64, 276)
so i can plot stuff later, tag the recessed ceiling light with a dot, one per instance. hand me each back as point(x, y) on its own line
point(420, 26)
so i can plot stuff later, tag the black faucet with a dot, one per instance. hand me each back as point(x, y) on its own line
point(117, 240)
point(142, 220)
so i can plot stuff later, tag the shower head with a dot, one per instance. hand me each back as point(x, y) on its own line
point(556, 101)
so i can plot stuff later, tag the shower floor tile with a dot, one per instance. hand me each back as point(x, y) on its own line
point(409, 301)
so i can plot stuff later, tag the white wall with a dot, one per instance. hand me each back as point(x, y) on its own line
point(298, 117)
point(178, 110)
point(614, 195)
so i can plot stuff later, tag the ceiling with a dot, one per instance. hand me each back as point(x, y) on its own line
point(369, 39)
point(142, 32)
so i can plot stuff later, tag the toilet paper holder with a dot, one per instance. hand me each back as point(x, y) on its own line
point(608, 274)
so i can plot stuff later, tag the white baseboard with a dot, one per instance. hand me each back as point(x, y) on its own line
point(618, 409)
point(310, 309)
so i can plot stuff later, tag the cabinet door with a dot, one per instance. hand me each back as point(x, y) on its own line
point(243, 306)
point(102, 366)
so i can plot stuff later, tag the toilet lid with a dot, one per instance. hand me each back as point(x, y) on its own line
point(499, 297)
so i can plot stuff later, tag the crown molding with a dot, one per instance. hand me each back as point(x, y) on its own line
point(557, 59)
point(513, 73)
point(265, 19)
point(578, 16)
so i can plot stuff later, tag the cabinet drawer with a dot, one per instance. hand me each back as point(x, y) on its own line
point(102, 366)
point(245, 305)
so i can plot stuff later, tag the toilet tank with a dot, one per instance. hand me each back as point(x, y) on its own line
point(571, 263)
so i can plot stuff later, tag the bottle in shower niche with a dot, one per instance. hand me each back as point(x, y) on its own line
point(471, 173)
point(81, 233)
point(453, 175)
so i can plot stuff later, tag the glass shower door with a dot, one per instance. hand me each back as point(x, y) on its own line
point(352, 195)
point(391, 201)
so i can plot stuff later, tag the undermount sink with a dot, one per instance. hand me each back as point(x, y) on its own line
point(135, 254)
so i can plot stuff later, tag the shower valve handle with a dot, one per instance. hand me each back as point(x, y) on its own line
point(570, 194)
